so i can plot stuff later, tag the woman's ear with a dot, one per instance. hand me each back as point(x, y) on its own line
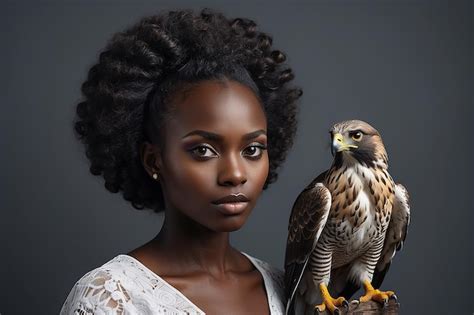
point(150, 157)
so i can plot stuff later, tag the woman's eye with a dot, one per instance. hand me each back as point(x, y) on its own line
point(255, 150)
point(201, 151)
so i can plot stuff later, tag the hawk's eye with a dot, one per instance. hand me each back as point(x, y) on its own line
point(357, 135)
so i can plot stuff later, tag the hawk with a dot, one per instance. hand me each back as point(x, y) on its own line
point(345, 226)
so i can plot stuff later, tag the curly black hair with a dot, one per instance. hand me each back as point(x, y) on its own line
point(141, 67)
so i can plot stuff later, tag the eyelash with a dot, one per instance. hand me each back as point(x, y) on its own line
point(261, 147)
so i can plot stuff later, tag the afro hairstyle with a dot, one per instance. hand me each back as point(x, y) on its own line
point(125, 93)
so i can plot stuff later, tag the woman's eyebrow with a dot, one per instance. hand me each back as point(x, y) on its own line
point(217, 137)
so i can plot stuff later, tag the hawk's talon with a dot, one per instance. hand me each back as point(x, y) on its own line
point(355, 302)
point(329, 302)
point(376, 295)
point(394, 297)
point(339, 301)
point(345, 303)
point(320, 308)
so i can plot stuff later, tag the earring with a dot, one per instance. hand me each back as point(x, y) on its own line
point(155, 176)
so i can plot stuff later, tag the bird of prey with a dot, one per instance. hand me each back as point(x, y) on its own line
point(345, 226)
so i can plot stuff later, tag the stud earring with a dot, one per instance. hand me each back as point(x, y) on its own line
point(155, 176)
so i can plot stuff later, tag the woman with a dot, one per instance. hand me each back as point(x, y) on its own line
point(189, 114)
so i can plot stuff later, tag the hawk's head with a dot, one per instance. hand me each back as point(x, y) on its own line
point(356, 140)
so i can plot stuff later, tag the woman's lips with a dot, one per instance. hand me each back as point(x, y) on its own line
point(232, 208)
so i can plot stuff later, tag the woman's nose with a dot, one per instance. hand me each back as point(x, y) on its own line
point(232, 171)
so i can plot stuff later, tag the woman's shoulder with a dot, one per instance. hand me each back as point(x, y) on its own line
point(123, 285)
point(274, 281)
point(275, 273)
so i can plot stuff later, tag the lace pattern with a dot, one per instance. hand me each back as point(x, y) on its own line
point(123, 285)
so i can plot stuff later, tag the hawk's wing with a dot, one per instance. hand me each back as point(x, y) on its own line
point(396, 234)
point(308, 217)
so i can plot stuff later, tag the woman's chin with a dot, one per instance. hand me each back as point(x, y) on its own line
point(231, 224)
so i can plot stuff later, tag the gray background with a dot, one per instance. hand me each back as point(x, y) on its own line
point(405, 66)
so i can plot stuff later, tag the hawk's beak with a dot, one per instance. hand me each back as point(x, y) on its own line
point(338, 144)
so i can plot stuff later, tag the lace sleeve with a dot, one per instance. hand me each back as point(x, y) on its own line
point(124, 286)
point(115, 292)
point(101, 291)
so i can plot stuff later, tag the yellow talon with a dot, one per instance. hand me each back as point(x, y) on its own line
point(320, 308)
point(375, 294)
point(329, 302)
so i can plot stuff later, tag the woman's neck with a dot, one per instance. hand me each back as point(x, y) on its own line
point(191, 245)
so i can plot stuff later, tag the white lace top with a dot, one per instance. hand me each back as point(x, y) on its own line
point(123, 285)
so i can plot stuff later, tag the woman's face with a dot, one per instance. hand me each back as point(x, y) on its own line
point(214, 144)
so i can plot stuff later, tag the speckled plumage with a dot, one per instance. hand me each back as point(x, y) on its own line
point(346, 225)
